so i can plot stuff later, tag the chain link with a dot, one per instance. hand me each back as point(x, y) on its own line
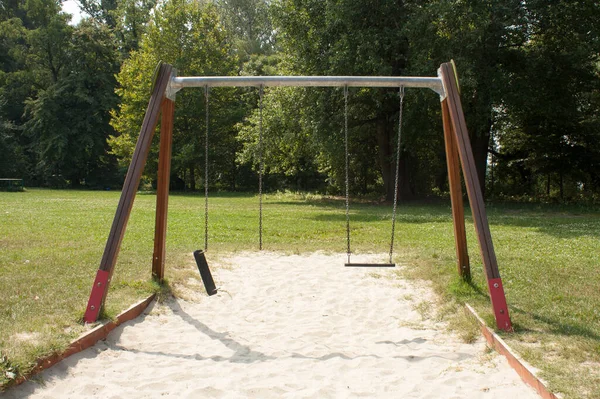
point(206, 90)
point(401, 94)
point(261, 167)
point(348, 252)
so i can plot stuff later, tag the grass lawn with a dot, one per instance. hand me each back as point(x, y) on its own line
point(51, 243)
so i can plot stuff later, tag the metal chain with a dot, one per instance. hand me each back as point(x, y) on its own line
point(261, 167)
point(347, 173)
point(206, 172)
point(401, 94)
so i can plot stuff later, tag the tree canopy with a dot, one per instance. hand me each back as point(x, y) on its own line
point(72, 97)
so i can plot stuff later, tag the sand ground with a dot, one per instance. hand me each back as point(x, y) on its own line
point(301, 326)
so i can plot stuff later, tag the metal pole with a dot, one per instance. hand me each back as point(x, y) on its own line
point(433, 83)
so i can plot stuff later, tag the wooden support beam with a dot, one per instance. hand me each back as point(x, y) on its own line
point(132, 181)
point(162, 192)
point(484, 237)
point(458, 211)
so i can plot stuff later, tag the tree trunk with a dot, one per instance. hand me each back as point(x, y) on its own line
point(480, 142)
point(386, 156)
point(75, 182)
point(441, 178)
point(192, 178)
point(233, 173)
point(365, 180)
point(404, 189)
point(562, 185)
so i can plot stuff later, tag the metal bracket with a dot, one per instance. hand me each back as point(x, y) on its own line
point(442, 92)
point(96, 297)
point(499, 304)
point(171, 90)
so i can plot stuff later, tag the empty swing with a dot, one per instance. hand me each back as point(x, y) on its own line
point(348, 249)
point(200, 255)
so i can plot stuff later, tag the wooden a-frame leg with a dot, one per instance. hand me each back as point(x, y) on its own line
point(475, 194)
point(162, 192)
point(458, 212)
point(132, 181)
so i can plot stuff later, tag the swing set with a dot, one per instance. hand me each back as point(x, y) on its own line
point(162, 103)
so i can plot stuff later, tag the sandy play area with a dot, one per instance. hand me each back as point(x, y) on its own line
point(285, 326)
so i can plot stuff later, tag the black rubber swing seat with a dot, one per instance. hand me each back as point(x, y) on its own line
point(209, 283)
point(370, 265)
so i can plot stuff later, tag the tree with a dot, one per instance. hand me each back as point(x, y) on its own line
point(36, 37)
point(249, 24)
point(15, 87)
point(131, 19)
point(350, 38)
point(127, 19)
point(189, 35)
point(289, 150)
point(102, 11)
point(552, 101)
point(69, 119)
point(528, 71)
point(482, 37)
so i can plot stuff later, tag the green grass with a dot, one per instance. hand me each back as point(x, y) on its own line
point(51, 243)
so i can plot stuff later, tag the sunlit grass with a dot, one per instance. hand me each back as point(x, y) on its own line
point(51, 243)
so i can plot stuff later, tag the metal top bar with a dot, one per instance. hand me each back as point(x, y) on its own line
point(433, 83)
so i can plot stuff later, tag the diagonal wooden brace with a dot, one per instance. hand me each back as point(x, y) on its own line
point(130, 186)
point(458, 127)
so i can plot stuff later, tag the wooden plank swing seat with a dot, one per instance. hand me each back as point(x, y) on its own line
point(347, 183)
point(459, 156)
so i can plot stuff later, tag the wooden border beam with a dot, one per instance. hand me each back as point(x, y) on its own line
point(84, 341)
point(525, 371)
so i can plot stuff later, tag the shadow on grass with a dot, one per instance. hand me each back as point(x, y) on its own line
point(412, 212)
point(560, 221)
point(554, 225)
point(216, 194)
point(554, 326)
point(436, 207)
point(354, 217)
point(366, 217)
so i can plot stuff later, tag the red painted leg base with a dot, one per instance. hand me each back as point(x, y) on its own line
point(96, 297)
point(499, 304)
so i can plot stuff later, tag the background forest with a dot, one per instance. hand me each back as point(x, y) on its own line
point(72, 97)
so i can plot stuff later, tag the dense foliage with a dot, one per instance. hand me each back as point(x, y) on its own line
point(72, 97)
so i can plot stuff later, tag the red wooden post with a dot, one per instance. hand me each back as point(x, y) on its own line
point(475, 194)
point(132, 181)
point(458, 212)
point(162, 192)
